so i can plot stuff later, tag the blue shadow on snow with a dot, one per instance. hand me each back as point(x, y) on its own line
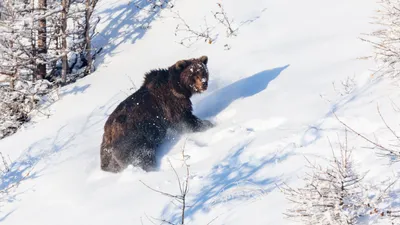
point(126, 25)
point(222, 98)
point(246, 87)
point(75, 89)
point(228, 181)
point(231, 172)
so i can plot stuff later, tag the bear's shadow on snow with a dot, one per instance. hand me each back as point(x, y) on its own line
point(217, 101)
point(230, 181)
point(227, 180)
point(126, 25)
point(220, 99)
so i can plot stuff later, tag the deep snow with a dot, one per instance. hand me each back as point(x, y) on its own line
point(271, 96)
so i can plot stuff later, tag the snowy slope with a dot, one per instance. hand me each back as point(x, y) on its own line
point(265, 97)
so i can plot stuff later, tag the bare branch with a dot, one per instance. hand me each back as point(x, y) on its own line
point(389, 151)
point(183, 188)
point(222, 17)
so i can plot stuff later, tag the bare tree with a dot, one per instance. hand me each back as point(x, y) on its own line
point(17, 48)
point(90, 6)
point(64, 13)
point(42, 39)
point(1, 11)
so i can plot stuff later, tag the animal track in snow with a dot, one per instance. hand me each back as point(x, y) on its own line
point(230, 132)
point(261, 125)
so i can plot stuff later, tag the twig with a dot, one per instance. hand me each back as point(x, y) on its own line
point(223, 19)
point(192, 34)
point(163, 193)
point(387, 126)
point(363, 137)
point(183, 188)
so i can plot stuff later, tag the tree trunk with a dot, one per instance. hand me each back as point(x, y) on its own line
point(41, 42)
point(90, 5)
point(88, 14)
point(65, 5)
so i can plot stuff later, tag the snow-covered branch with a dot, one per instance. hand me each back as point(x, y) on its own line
point(386, 40)
point(41, 41)
point(337, 194)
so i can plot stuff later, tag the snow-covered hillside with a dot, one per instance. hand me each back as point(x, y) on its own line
point(270, 94)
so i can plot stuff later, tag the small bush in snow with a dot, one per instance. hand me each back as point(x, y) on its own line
point(386, 41)
point(206, 32)
point(222, 17)
point(346, 86)
point(190, 34)
point(16, 103)
point(336, 195)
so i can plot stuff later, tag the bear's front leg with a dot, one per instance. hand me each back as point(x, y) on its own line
point(195, 124)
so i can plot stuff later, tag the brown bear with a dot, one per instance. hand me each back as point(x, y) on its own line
point(139, 124)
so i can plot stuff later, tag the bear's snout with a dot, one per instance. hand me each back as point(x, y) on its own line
point(205, 84)
point(201, 84)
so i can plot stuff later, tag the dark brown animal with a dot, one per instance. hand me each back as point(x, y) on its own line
point(139, 124)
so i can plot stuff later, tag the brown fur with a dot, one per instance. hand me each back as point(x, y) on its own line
point(138, 125)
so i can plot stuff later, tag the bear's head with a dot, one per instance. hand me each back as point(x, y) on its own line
point(192, 74)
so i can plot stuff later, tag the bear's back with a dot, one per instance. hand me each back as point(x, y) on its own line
point(138, 106)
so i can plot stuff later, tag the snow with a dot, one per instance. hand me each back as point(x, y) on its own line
point(271, 96)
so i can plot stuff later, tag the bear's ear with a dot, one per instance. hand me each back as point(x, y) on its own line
point(204, 59)
point(181, 65)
